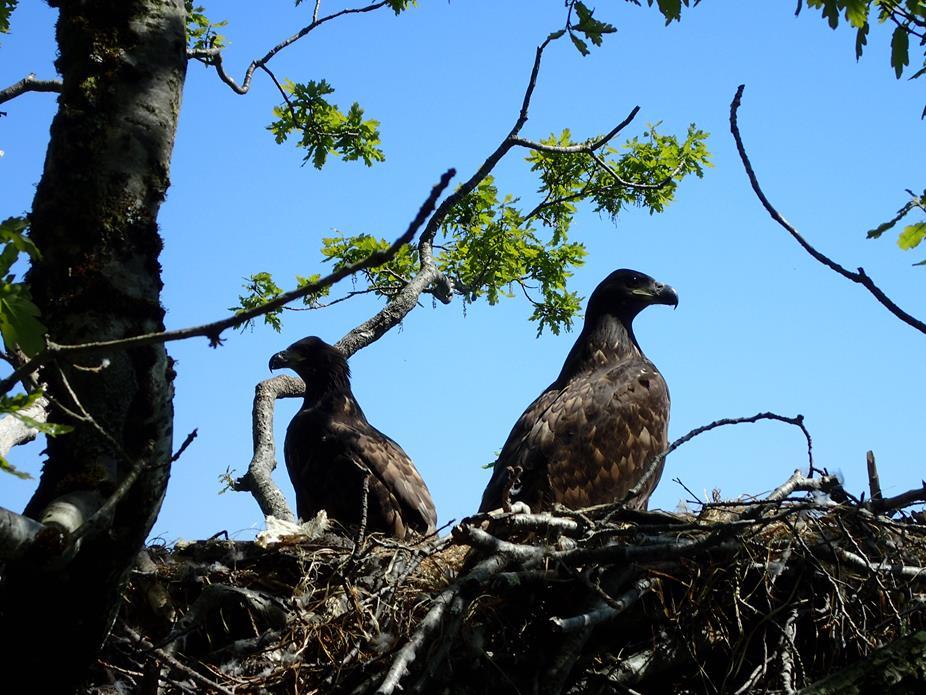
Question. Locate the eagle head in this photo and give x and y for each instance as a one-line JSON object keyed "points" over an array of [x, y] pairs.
{"points": [[625, 293], [312, 359]]}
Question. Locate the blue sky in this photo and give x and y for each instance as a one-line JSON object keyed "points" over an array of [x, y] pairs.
{"points": [[760, 325]]}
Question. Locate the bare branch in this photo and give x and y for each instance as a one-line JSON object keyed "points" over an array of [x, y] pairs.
{"points": [[605, 611], [905, 499], [637, 186], [13, 431], [859, 276], [213, 56], [797, 421], [874, 482], [258, 480], [587, 147], [17, 534], [30, 83], [186, 442]]}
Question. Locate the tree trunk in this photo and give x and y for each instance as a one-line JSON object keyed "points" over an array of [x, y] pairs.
{"points": [[94, 219]]}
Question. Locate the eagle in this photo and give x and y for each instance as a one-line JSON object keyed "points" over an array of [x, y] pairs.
{"points": [[589, 437], [331, 448]]}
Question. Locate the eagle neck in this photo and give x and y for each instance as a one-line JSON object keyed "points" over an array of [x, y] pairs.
{"points": [[333, 385], [603, 340]]}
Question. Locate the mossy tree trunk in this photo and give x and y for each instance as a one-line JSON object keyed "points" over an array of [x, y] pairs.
{"points": [[94, 219]]}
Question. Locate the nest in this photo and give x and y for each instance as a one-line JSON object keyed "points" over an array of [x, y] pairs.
{"points": [[809, 588]]}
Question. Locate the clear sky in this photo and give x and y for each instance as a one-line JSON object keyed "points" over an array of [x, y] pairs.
{"points": [[760, 325]]}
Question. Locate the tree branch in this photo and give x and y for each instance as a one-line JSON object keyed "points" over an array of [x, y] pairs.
{"points": [[587, 147], [214, 330], [859, 277], [13, 431], [213, 56], [797, 421], [637, 186], [30, 83]]}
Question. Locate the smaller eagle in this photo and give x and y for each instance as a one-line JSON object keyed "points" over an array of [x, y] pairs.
{"points": [[330, 448], [589, 437]]}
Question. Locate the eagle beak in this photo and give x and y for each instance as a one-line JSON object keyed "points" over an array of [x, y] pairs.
{"points": [[665, 294], [279, 360]]}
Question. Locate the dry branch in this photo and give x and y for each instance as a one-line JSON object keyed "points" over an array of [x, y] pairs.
{"points": [[860, 276], [30, 83]]}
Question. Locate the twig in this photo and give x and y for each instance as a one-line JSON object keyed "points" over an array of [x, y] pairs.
{"points": [[606, 610], [884, 567], [434, 618], [213, 56], [587, 147], [176, 664], [904, 499], [797, 421], [637, 186], [859, 276], [30, 83], [874, 482], [186, 442]]}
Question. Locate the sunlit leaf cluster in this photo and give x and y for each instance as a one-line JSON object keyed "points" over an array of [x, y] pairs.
{"points": [[322, 128], [493, 246], [19, 316], [200, 30], [645, 172], [491, 250], [387, 279]]}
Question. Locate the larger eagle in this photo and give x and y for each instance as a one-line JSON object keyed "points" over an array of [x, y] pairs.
{"points": [[331, 448], [589, 437]]}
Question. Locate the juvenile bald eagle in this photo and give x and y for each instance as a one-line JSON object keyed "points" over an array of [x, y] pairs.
{"points": [[330, 448], [589, 437]]}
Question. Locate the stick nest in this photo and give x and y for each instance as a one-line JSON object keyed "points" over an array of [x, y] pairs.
{"points": [[768, 595]]}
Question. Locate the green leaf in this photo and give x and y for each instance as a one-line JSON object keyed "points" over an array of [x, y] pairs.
{"points": [[591, 27], [6, 9], [857, 13], [861, 40], [579, 44], [900, 45], [13, 232], [399, 6], [19, 324], [911, 236], [556, 35], [671, 9]]}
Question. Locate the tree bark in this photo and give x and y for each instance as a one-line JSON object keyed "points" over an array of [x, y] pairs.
{"points": [[94, 219]]}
